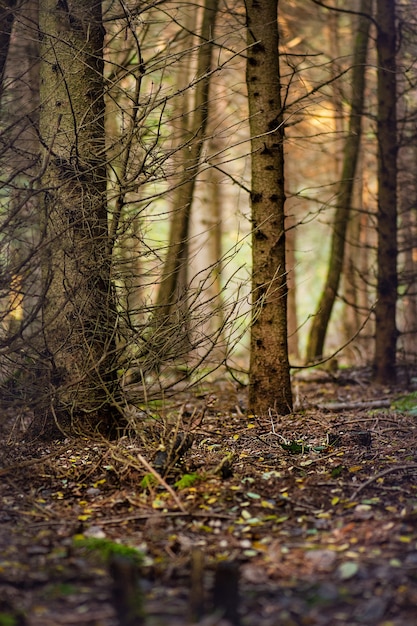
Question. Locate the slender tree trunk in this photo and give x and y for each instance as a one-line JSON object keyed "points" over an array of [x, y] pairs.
{"points": [[270, 384], [7, 16], [206, 258], [78, 312], [385, 309], [168, 299], [408, 311], [344, 196], [176, 320], [291, 242], [355, 279], [19, 113]]}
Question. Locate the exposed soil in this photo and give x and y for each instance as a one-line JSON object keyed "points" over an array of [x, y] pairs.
{"points": [[308, 519]]}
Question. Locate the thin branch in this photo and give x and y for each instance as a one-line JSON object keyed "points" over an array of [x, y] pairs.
{"points": [[349, 11], [400, 468]]}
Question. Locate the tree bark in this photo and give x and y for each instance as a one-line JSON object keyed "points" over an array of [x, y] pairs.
{"points": [[387, 282], [270, 384], [321, 319], [78, 311]]}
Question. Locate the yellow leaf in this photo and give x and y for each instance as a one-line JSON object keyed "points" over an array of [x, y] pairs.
{"points": [[206, 529], [267, 505], [251, 425], [335, 500], [355, 468], [84, 517]]}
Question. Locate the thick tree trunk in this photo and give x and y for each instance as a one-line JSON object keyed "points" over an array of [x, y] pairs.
{"points": [[344, 196], [78, 312], [385, 309], [270, 385]]}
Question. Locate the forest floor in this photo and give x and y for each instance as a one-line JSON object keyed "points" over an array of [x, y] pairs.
{"points": [[309, 519]]}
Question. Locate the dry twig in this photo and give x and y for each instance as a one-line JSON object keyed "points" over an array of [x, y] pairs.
{"points": [[400, 468]]}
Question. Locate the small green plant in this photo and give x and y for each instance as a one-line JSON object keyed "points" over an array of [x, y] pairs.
{"points": [[148, 481], [7, 620], [294, 447], [187, 480], [337, 471], [58, 590], [106, 549], [407, 403]]}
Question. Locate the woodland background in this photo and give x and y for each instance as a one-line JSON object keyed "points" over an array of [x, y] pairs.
{"points": [[139, 245]]}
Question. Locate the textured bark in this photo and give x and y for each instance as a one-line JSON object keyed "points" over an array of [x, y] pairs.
{"points": [[78, 312], [385, 314], [270, 385], [345, 192]]}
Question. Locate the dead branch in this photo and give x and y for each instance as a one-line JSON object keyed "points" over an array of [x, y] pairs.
{"points": [[354, 406], [402, 468]]}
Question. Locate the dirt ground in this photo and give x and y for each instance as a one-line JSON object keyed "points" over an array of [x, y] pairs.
{"points": [[308, 519]]}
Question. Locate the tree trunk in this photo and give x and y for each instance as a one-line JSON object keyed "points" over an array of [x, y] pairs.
{"points": [[344, 196], [385, 309], [206, 262], [19, 156], [78, 312], [7, 16], [270, 384], [356, 279], [167, 329], [291, 242]]}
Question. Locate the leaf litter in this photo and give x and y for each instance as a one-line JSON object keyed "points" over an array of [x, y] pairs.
{"points": [[304, 519]]}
